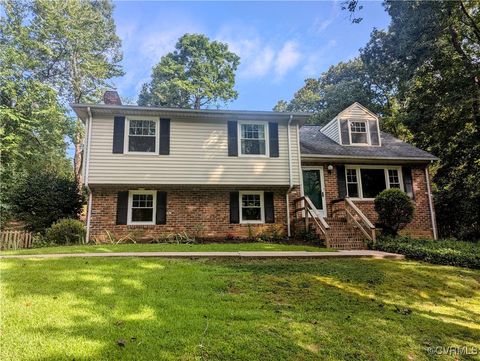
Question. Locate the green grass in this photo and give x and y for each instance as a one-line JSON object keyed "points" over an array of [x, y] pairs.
{"points": [[208, 247], [170, 309]]}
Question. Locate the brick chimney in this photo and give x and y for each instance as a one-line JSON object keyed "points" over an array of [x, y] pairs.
{"points": [[111, 97]]}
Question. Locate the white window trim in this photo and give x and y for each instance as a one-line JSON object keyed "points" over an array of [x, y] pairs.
{"points": [[367, 129], [262, 207], [127, 133], [130, 203], [239, 136], [385, 172]]}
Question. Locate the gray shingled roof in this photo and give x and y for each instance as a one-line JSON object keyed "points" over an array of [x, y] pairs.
{"points": [[314, 142]]}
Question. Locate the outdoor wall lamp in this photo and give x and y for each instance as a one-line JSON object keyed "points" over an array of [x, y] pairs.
{"points": [[330, 168]]}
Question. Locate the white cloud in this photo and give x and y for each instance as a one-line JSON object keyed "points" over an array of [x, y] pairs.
{"points": [[259, 57], [287, 58]]}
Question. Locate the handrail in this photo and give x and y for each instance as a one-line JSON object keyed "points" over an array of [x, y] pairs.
{"points": [[366, 222], [311, 210], [360, 213]]}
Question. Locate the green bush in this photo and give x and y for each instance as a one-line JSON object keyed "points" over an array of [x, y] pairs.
{"points": [[42, 199], [395, 210], [446, 252], [66, 231]]}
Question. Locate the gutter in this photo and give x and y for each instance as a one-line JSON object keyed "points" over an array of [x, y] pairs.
{"points": [[430, 204], [290, 176], [87, 168]]}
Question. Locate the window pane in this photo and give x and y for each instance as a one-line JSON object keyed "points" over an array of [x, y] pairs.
{"points": [[352, 189], [251, 214], [351, 176], [373, 182], [250, 146], [142, 201], [142, 127], [393, 178], [253, 131], [359, 127], [141, 144], [359, 138], [251, 200], [142, 214]]}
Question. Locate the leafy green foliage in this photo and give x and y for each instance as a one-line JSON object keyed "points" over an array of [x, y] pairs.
{"points": [[42, 199], [446, 252], [66, 231], [198, 73], [395, 210], [337, 88]]}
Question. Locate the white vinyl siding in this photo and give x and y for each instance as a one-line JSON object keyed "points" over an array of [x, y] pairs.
{"points": [[198, 155], [331, 130]]}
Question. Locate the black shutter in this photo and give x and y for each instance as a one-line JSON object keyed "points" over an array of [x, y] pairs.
{"points": [[344, 132], [122, 207], [232, 139], [164, 146], [341, 182], [269, 208], [374, 136], [161, 216], [234, 208], [273, 134], [408, 181], [118, 134]]}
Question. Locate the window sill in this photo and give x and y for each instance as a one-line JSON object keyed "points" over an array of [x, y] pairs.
{"points": [[141, 153], [252, 222]]}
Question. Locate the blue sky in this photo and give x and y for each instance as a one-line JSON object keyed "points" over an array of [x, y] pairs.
{"points": [[279, 43]]}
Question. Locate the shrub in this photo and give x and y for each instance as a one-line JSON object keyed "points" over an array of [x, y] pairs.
{"points": [[42, 199], [66, 231], [395, 210], [446, 252]]}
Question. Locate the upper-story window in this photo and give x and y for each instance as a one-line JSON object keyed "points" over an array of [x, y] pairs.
{"points": [[142, 136], [253, 138], [358, 133]]}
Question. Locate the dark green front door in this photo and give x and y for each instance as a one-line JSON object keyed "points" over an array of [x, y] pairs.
{"points": [[313, 188]]}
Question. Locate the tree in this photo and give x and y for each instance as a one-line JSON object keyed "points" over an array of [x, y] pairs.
{"points": [[42, 199], [198, 73], [428, 59], [337, 88], [33, 126], [77, 51]]}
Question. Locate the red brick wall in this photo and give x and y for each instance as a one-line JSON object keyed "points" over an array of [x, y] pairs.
{"points": [[203, 211], [421, 226]]}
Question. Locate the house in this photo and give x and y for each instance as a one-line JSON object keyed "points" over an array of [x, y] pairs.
{"points": [[223, 174]]}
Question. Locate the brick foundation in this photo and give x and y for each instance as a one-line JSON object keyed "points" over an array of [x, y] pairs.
{"points": [[201, 211], [421, 226]]}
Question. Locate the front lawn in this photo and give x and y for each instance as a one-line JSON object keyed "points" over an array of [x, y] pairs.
{"points": [[164, 247], [171, 309]]}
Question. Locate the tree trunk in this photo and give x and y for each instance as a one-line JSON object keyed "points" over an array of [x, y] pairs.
{"points": [[78, 156]]}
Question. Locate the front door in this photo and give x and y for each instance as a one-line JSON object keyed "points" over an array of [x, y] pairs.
{"points": [[313, 188]]}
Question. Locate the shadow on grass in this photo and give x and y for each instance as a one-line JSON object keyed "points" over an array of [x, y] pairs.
{"points": [[212, 309]]}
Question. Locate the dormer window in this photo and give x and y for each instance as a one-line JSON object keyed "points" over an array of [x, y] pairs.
{"points": [[358, 133]]}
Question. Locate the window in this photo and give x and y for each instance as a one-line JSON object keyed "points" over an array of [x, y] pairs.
{"points": [[253, 138], [393, 178], [251, 207], [142, 205], [142, 136], [369, 181], [352, 183], [373, 182], [358, 132]]}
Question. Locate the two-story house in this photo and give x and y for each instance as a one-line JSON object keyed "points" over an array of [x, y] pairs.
{"points": [[222, 173]]}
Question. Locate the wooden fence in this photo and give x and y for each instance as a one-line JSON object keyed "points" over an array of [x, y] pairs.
{"points": [[15, 240]]}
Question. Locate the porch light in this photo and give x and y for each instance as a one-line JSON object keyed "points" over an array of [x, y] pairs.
{"points": [[330, 168]]}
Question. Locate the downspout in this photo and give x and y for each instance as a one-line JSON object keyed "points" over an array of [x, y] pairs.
{"points": [[87, 167], [290, 176], [430, 204]]}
